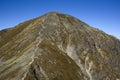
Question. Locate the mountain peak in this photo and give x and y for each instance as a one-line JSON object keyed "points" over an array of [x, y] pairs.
{"points": [[57, 46], [54, 13]]}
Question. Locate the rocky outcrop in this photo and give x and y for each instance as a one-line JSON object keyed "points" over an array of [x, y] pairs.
{"points": [[58, 47]]}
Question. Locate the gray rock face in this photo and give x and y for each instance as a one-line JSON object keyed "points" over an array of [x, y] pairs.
{"points": [[58, 47]]}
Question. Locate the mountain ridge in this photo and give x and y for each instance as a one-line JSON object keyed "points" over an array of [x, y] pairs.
{"points": [[57, 46]]}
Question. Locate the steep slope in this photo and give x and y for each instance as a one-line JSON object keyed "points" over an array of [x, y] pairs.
{"points": [[58, 47]]}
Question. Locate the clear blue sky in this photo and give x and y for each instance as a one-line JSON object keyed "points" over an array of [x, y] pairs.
{"points": [[102, 14]]}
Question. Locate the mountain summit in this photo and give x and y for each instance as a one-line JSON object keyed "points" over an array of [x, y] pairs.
{"points": [[57, 46]]}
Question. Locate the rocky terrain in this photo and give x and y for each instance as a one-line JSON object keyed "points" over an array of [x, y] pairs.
{"points": [[57, 46]]}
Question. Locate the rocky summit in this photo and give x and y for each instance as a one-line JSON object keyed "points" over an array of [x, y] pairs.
{"points": [[57, 46]]}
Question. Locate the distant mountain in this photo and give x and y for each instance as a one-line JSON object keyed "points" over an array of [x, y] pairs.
{"points": [[57, 46]]}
